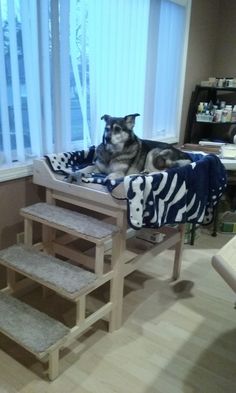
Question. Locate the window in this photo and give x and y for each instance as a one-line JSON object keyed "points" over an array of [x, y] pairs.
{"points": [[20, 113], [65, 63]]}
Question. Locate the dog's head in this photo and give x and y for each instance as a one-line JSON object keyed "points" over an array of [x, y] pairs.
{"points": [[118, 130]]}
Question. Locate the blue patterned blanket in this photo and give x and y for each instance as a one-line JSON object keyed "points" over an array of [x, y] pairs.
{"points": [[178, 195]]}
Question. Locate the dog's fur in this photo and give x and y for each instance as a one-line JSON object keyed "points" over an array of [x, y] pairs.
{"points": [[122, 153]]}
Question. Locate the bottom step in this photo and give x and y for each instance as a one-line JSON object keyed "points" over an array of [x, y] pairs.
{"points": [[32, 329]]}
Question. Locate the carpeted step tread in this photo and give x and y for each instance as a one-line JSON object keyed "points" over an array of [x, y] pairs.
{"points": [[70, 220], [58, 275], [32, 329]]}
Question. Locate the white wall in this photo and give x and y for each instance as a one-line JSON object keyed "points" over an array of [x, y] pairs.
{"points": [[225, 56], [202, 48]]}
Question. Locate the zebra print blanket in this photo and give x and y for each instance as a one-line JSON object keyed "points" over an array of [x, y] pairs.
{"points": [[186, 194], [178, 195]]}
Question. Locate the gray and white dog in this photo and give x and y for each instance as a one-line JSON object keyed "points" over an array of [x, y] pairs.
{"points": [[122, 153]]}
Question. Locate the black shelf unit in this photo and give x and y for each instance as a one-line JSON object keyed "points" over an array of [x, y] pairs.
{"points": [[200, 130]]}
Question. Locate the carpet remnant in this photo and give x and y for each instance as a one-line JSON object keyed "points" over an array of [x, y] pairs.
{"points": [[47, 268], [69, 219], [29, 327]]}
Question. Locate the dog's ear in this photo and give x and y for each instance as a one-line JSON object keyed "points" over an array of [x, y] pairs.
{"points": [[105, 117], [130, 120]]}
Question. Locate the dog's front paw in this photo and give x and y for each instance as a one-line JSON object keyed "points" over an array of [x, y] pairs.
{"points": [[114, 175], [75, 177]]}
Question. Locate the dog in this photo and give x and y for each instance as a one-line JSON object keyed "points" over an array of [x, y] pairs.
{"points": [[123, 153]]}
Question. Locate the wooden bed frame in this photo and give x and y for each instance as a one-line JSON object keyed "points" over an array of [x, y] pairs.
{"points": [[132, 252]]}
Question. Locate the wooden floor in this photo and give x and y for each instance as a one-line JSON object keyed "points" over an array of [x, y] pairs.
{"points": [[176, 338]]}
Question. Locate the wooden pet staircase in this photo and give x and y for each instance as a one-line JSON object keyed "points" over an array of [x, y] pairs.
{"points": [[76, 254], [38, 333]]}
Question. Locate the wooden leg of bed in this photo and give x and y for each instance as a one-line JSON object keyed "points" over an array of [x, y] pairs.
{"points": [[80, 310], [99, 259], [117, 283], [11, 279], [28, 232], [53, 364], [178, 253], [48, 235]]}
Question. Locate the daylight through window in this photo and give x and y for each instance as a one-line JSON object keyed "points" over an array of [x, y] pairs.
{"points": [[65, 63]]}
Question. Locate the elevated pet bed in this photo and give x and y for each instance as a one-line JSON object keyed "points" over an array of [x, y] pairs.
{"points": [[149, 203], [187, 194]]}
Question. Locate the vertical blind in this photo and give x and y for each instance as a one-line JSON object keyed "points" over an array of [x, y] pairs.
{"points": [[65, 63], [117, 36], [170, 46]]}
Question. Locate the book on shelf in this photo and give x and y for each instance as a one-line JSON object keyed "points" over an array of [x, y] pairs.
{"points": [[214, 149]]}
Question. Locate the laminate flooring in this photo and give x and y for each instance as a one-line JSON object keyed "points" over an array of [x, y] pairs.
{"points": [[176, 337]]}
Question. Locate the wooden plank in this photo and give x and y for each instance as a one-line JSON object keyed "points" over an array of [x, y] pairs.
{"points": [[117, 283], [74, 255], [53, 364], [178, 253], [43, 176], [99, 259], [77, 330], [103, 208]]}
